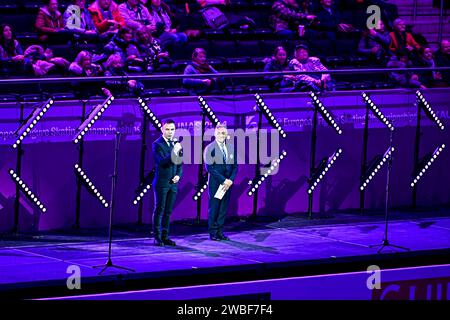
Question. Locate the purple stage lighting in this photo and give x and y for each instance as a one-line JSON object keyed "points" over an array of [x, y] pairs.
{"points": [[322, 170], [428, 110], [208, 111], [257, 184], [377, 111], [326, 115], [89, 185], [26, 190], [149, 113], [375, 167]]}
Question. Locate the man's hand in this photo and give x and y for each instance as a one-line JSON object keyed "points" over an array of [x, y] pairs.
{"points": [[176, 179], [177, 148], [228, 183], [19, 57]]}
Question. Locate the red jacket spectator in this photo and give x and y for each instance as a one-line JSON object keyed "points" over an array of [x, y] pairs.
{"points": [[103, 23], [49, 20]]}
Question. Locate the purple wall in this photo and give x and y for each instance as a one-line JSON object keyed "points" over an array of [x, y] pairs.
{"points": [[50, 155]]}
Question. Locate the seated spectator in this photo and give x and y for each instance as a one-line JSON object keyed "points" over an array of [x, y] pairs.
{"points": [[329, 23], [200, 65], [403, 42], [303, 62], [78, 19], [286, 16], [375, 43], [84, 67], [42, 61], [430, 79], [151, 52], [136, 15], [11, 53], [115, 66], [279, 63], [442, 59], [124, 45], [402, 78], [106, 16], [50, 24], [169, 36]]}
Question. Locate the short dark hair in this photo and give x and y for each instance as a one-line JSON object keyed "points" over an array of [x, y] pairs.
{"points": [[301, 46], [168, 121]]}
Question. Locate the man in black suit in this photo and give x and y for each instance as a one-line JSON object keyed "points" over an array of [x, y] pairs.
{"points": [[168, 171], [221, 164]]}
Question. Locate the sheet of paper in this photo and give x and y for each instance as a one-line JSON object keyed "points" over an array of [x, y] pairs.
{"points": [[220, 192]]}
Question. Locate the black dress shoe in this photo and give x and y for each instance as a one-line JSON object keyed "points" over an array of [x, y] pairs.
{"points": [[158, 242], [223, 237], [214, 237], [169, 242]]}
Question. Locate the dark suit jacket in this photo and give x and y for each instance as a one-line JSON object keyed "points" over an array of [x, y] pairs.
{"points": [[165, 168], [218, 171]]}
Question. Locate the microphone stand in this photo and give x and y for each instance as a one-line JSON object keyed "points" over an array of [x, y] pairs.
{"points": [[109, 263]]}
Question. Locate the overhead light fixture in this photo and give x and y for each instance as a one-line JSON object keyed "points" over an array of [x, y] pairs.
{"points": [[428, 110], [90, 185], [31, 121], [27, 191], [149, 113], [255, 185], [322, 170], [326, 115], [269, 115], [144, 187], [208, 111], [92, 117], [375, 166], [377, 112], [426, 163]]}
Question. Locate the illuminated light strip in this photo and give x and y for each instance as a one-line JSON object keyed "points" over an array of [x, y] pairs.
{"points": [[325, 114], [204, 105], [35, 120], [26, 190], [377, 111], [432, 114], [94, 119], [200, 192], [90, 185], [435, 154], [270, 117], [275, 164], [330, 162], [142, 194], [149, 113], [385, 159]]}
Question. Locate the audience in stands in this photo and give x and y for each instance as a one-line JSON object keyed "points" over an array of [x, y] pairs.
{"points": [[286, 17], [430, 79], [442, 59], [402, 78], [303, 62], [124, 45], [329, 23], [11, 53], [42, 62], [200, 65], [50, 24], [106, 16], [375, 44], [78, 19], [278, 63], [403, 42], [150, 50], [114, 66], [161, 19], [136, 15]]}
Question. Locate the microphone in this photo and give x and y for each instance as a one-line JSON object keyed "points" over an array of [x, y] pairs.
{"points": [[175, 141]]}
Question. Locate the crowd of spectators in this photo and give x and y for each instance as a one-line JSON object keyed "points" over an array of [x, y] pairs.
{"points": [[117, 39]]}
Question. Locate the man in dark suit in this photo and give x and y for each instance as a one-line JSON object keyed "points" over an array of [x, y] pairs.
{"points": [[221, 164], [168, 171]]}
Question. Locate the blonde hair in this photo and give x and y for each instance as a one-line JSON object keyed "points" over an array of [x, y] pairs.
{"points": [[112, 59]]}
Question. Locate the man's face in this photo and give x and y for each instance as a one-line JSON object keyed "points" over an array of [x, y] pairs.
{"points": [[52, 5], [301, 54], [428, 54], [221, 135], [168, 130], [400, 26]]}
